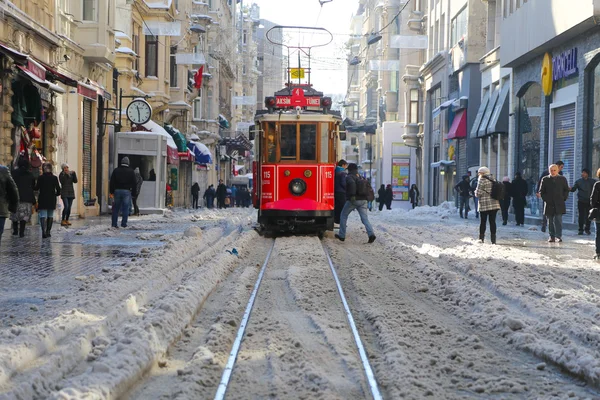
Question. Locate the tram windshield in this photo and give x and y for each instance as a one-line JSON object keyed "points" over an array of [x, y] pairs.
{"points": [[296, 142]]}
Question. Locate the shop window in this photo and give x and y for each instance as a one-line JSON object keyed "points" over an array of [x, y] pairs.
{"points": [[151, 55], [593, 134], [173, 67], [89, 10], [529, 118], [458, 27]]}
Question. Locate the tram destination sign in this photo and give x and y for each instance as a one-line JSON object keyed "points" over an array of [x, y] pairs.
{"points": [[297, 99]]}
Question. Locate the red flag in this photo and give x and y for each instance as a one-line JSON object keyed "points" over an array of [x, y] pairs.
{"points": [[198, 77]]}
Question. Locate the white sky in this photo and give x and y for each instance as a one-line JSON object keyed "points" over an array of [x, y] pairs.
{"points": [[328, 63]]}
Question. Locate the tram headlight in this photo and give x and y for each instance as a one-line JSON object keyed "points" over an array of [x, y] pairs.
{"points": [[297, 187]]}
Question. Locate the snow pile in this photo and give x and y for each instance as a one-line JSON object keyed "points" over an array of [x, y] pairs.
{"points": [[443, 211]]}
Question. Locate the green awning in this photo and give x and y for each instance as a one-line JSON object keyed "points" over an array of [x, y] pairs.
{"points": [[178, 137]]}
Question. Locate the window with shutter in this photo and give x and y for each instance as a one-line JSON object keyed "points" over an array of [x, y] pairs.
{"points": [[563, 148], [86, 181]]}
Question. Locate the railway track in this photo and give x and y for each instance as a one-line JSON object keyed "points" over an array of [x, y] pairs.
{"points": [[279, 327], [229, 368]]}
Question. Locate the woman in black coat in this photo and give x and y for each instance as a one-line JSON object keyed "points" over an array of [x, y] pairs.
{"points": [[25, 183], [389, 196], [49, 189], [381, 196], [413, 194]]}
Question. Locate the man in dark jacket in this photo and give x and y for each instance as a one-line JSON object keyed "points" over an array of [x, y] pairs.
{"points": [[354, 201], [560, 165], [9, 196], [464, 194], [584, 187], [123, 186], [340, 189], [221, 194], [209, 196], [519, 195], [195, 195], [505, 202], [554, 190]]}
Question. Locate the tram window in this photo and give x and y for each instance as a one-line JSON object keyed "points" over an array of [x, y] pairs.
{"points": [[271, 142], [288, 142], [308, 142], [324, 142]]}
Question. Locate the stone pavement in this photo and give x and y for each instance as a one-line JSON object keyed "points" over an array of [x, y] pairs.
{"points": [[34, 272]]}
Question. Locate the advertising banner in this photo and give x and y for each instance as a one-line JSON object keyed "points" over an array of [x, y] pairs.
{"points": [[400, 178]]}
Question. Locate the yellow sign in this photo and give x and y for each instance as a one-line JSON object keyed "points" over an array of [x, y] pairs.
{"points": [[547, 74], [297, 73]]}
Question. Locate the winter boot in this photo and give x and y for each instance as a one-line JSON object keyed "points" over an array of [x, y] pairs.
{"points": [[493, 238], [481, 238], [461, 214], [43, 225], [22, 228], [15, 228], [64, 223], [49, 227]]}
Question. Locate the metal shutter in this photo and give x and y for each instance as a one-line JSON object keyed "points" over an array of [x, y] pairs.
{"points": [[461, 161], [564, 148], [86, 181]]}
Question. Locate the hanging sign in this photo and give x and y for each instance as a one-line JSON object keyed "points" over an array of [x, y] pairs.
{"points": [[297, 73]]}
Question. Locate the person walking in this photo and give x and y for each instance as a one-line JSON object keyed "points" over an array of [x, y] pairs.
{"points": [[195, 195], [414, 195], [233, 195], [354, 201], [138, 189], [339, 193], [464, 194], [25, 183], [474, 182], [487, 206], [221, 194], [209, 196], [560, 165], [505, 202], [67, 179], [554, 190], [48, 187], [584, 187], [123, 187], [520, 189], [595, 203], [9, 197], [381, 196], [389, 196]]}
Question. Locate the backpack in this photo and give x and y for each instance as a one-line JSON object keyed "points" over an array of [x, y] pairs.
{"points": [[364, 189], [498, 190]]}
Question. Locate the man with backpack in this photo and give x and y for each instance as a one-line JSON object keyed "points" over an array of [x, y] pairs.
{"points": [[357, 197], [488, 202]]}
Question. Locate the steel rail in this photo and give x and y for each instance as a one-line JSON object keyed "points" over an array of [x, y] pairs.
{"points": [[220, 395], [361, 350]]}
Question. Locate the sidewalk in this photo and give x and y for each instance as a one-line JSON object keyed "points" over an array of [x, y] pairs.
{"points": [[37, 273]]}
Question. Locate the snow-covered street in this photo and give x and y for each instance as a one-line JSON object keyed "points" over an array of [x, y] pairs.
{"points": [[440, 315]]}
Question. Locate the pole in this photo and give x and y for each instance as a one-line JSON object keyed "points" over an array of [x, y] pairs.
{"points": [[370, 159]]}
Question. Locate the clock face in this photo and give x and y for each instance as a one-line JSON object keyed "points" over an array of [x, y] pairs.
{"points": [[139, 112]]}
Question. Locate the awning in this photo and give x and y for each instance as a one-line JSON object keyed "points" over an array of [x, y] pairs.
{"points": [[499, 121], [178, 137], [201, 152], [87, 91], [488, 115], [172, 153], [223, 122], [14, 54], [443, 106], [197, 28], [41, 82], [484, 104], [186, 156], [443, 163], [53, 75], [458, 129]]}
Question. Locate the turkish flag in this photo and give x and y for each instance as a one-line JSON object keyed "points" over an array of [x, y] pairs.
{"points": [[198, 77]]}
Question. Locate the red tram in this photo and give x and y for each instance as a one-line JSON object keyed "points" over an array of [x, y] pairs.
{"points": [[295, 158]]}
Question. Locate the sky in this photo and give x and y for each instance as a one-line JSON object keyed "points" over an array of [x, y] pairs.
{"points": [[328, 63]]}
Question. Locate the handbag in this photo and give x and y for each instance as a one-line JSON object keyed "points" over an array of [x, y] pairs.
{"points": [[594, 214]]}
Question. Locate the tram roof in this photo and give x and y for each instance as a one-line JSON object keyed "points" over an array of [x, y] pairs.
{"points": [[292, 116]]}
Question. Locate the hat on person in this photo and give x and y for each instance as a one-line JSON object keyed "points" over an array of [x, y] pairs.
{"points": [[483, 170], [506, 179], [64, 165], [125, 161], [352, 167]]}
